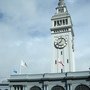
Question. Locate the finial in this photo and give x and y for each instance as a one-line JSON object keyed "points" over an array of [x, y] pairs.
{"points": [[61, 3]]}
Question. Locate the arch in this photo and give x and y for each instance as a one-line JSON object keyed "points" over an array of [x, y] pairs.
{"points": [[82, 87], [35, 88], [57, 88]]}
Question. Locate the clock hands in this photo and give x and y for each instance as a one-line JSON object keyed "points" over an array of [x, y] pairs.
{"points": [[60, 43]]}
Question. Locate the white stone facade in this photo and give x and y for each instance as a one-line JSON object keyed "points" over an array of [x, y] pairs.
{"points": [[50, 81], [63, 57]]}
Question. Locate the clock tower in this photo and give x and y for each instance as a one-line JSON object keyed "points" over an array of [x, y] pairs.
{"points": [[62, 40]]}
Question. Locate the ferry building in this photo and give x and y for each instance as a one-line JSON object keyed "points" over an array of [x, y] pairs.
{"points": [[63, 75]]}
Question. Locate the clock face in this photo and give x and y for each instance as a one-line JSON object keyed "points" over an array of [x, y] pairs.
{"points": [[60, 43]]}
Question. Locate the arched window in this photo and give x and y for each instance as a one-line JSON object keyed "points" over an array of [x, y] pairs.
{"points": [[82, 87], [57, 88], [35, 88]]}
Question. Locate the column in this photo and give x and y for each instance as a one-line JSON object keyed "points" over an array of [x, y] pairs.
{"points": [[16, 87], [11, 88], [24, 87], [19, 88], [69, 87], [45, 87]]}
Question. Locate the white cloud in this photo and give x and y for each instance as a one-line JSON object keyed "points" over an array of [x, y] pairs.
{"points": [[24, 34], [71, 1]]}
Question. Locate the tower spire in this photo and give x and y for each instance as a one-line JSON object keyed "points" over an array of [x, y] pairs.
{"points": [[61, 8], [61, 3]]}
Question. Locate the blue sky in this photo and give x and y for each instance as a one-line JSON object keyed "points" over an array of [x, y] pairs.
{"points": [[25, 34]]}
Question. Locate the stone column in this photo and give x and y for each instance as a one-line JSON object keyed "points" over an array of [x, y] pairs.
{"points": [[25, 87], [45, 87], [69, 87], [11, 88], [16, 88], [19, 88]]}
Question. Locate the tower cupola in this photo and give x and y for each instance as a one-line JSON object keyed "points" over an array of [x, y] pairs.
{"points": [[61, 3], [61, 8]]}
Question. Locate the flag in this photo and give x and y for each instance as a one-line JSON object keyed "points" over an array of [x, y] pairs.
{"points": [[56, 62], [24, 64], [61, 63], [14, 71]]}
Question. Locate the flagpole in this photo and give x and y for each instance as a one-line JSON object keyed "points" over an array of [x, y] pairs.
{"points": [[22, 65], [20, 68]]}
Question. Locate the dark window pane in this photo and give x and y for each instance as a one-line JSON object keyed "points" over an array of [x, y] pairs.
{"points": [[54, 23], [35, 88], [63, 22], [66, 21], [57, 88], [82, 87], [67, 61], [61, 53]]}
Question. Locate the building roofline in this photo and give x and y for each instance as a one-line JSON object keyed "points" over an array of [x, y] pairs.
{"points": [[50, 76]]}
